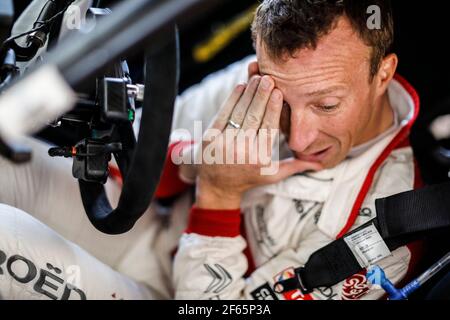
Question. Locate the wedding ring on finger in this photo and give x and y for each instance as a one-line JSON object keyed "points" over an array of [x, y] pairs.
{"points": [[234, 124]]}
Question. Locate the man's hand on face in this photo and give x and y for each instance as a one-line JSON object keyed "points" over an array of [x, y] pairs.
{"points": [[188, 172], [244, 126]]}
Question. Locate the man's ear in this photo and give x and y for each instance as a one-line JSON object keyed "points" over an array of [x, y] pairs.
{"points": [[386, 72]]}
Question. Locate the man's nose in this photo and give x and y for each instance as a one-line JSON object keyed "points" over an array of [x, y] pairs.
{"points": [[303, 131]]}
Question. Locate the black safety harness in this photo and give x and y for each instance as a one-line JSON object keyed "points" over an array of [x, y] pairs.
{"points": [[401, 219]]}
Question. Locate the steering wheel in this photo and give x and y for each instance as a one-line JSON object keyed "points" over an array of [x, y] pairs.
{"points": [[141, 160], [142, 165]]}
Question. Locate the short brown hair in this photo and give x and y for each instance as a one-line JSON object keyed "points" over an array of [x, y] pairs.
{"points": [[286, 26]]}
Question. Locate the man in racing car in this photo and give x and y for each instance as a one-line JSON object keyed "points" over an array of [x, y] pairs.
{"points": [[327, 80], [326, 77]]}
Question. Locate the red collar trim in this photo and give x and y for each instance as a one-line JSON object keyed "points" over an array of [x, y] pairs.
{"points": [[398, 141]]}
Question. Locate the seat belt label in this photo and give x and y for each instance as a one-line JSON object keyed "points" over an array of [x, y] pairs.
{"points": [[367, 246]]}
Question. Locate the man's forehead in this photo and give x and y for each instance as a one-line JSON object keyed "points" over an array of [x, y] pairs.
{"points": [[341, 51], [309, 80]]}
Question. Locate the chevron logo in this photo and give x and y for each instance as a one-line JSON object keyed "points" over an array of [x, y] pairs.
{"points": [[221, 278]]}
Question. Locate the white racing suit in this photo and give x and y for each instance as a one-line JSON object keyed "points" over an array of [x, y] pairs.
{"points": [[49, 249], [241, 254]]}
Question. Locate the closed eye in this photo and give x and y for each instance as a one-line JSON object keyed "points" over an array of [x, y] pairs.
{"points": [[328, 108]]}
